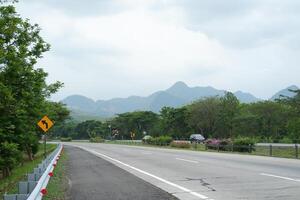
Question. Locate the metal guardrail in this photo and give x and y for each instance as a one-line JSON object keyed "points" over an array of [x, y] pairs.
{"points": [[35, 186]]}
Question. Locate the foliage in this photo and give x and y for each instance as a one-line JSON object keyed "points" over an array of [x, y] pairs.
{"points": [[173, 122], [66, 139], [202, 116], [97, 139], [213, 117], [87, 129], [146, 139], [10, 156], [217, 144], [24, 92], [138, 122], [244, 144], [293, 127], [229, 109], [181, 144], [161, 140]]}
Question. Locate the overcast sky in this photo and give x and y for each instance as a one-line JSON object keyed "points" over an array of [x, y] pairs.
{"points": [[117, 48]]}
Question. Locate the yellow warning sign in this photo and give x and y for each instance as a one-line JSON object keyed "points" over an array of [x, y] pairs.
{"points": [[45, 123]]}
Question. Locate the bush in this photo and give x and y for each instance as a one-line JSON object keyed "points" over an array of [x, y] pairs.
{"points": [[181, 144], [146, 139], [66, 139], [244, 144], [217, 144], [286, 140], [97, 139], [10, 156], [161, 140]]}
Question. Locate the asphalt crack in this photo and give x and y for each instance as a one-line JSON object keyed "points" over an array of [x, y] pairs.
{"points": [[202, 182]]}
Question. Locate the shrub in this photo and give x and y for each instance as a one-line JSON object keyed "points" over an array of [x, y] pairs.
{"points": [[244, 144], [10, 156], [181, 144], [97, 139], [146, 139], [161, 140], [66, 139], [286, 140], [223, 145]]}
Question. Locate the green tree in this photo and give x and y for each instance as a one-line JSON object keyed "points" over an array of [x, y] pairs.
{"points": [[173, 122], [23, 88], [202, 116], [86, 129], [272, 118], [229, 108], [137, 122], [293, 128], [10, 156]]}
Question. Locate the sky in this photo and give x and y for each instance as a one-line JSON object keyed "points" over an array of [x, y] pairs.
{"points": [[117, 48]]}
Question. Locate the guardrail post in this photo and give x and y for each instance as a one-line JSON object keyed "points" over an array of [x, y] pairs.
{"points": [[271, 150], [249, 148], [296, 151]]}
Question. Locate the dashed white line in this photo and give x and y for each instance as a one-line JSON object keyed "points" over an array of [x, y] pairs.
{"points": [[281, 177], [146, 152], [196, 194], [191, 161]]}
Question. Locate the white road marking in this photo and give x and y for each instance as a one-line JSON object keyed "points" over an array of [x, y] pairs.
{"points": [[192, 161], [196, 194], [282, 177], [146, 152]]}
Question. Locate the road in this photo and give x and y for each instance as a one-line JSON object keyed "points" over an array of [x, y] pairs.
{"points": [[95, 178], [203, 175]]}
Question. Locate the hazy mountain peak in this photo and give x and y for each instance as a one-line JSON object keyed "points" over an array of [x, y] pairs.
{"points": [[179, 85], [293, 87], [246, 97], [79, 102], [285, 92]]}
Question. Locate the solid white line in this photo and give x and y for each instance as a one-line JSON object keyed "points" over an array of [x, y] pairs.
{"points": [[282, 177], [147, 173], [192, 161]]}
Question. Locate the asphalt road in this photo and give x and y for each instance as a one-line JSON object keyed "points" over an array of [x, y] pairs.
{"points": [[93, 178], [197, 175]]}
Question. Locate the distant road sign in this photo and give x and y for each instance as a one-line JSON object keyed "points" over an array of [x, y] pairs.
{"points": [[45, 124]]}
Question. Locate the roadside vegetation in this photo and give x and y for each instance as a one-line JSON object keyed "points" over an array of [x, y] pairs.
{"points": [[221, 120], [24, 93], [9, 184]]}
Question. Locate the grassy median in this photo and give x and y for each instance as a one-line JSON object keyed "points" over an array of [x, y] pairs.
{"points": [[9, 184], [58, 184], [281, 152]]}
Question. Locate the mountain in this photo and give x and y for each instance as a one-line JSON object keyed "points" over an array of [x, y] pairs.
{"points": [[177, 95], [246, 97], [285, 92]]}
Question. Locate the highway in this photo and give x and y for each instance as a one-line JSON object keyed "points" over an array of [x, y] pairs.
{"points": [[201, 175]]}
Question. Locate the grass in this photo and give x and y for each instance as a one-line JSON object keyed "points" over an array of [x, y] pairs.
{"points": [[282, 152], [58, 184], [9, 184]]}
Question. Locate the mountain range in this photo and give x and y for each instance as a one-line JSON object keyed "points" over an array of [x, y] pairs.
{"points": [[177, 95]]}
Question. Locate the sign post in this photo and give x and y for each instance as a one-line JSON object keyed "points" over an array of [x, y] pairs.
{"points": [[45, 124]]}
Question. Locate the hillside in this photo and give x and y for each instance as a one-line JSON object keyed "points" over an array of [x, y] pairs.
{"points": [[177, 95]]}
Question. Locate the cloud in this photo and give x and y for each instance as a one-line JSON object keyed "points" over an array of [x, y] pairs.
{"points": [[126, 47]]}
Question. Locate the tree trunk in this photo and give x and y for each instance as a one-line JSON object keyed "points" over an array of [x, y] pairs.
{"points": [[5, 172], [29, 153]]}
